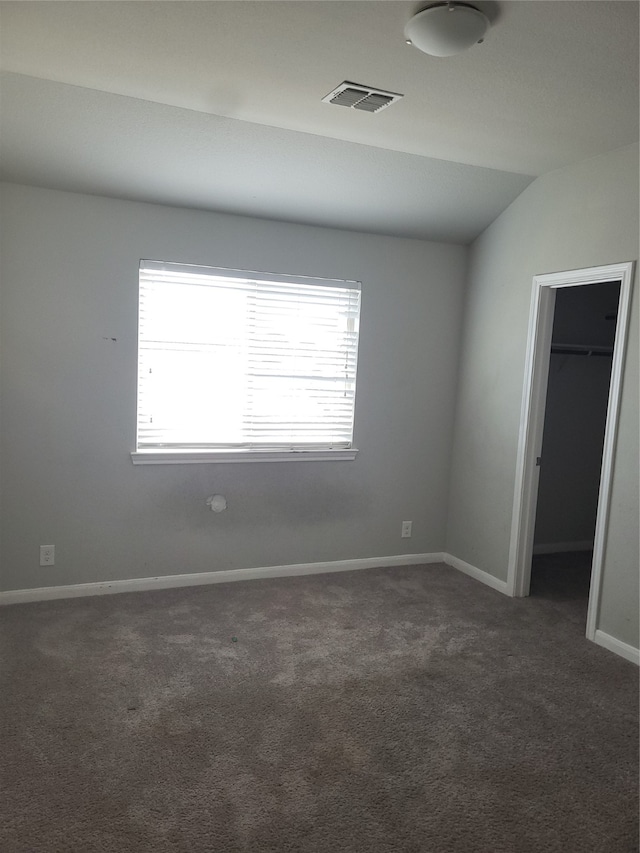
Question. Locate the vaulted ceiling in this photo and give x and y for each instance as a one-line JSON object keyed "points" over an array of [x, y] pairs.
{"points": [[218, 105]]}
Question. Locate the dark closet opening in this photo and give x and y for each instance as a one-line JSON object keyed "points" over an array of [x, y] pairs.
{"points": [[584, 329]]}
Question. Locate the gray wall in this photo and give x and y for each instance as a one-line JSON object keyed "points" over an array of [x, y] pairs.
{"points": [[69, 285], [584, 215]]}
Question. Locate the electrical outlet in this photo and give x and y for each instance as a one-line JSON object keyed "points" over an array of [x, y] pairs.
{"points": [[47, 555], [406, 530]]}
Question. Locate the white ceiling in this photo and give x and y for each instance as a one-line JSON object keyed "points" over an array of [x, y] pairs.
{"points": [[217, 105]]}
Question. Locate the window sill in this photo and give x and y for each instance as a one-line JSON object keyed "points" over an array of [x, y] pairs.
{"points": [[200, 457]]}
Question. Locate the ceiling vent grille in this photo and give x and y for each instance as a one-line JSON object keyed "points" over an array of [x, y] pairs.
{"points": [[358, 97]]}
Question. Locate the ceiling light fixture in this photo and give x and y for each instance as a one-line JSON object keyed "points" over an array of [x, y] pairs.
{"points": [[445, 29]]}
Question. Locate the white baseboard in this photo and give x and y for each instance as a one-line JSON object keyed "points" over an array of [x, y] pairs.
{"points": [[563, 547], [617, 647], [48, 593], [477, 574]]}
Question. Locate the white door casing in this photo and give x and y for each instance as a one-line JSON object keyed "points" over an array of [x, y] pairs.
{"points": [[532, 424]]}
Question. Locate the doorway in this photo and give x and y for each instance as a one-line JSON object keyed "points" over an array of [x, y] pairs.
{"points": [[613, 283], [584, 327]]}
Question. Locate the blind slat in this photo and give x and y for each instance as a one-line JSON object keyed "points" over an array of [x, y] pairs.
{"points": [[229, 359]]}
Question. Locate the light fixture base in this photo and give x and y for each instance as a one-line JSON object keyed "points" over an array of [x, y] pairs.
{"points": [[447, 28]]}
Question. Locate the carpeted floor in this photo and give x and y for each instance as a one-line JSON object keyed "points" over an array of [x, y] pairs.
{"points": [[405, 709], [564, 578]]}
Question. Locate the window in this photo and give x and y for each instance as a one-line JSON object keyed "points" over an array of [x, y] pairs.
{"points": [[235, 365]]}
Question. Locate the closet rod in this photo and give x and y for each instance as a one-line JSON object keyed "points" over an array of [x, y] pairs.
{"points": [[580, 349]]}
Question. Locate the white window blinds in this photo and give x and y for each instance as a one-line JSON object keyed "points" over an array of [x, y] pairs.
{"points": [[230, 359]]}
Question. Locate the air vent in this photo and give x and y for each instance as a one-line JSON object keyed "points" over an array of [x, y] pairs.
{"points": [[358, 97]]}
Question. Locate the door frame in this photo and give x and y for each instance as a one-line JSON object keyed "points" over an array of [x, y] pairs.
{"points": [[536, 374]]}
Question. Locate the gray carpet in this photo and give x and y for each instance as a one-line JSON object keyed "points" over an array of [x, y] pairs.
{"points": [[405, 709], [566, 578]]}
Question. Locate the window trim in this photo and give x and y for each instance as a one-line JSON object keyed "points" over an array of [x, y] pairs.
{"points": [[196, 457]]}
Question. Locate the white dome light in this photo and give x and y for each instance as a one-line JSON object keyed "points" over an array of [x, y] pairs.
{"points": [[446, 28]]}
